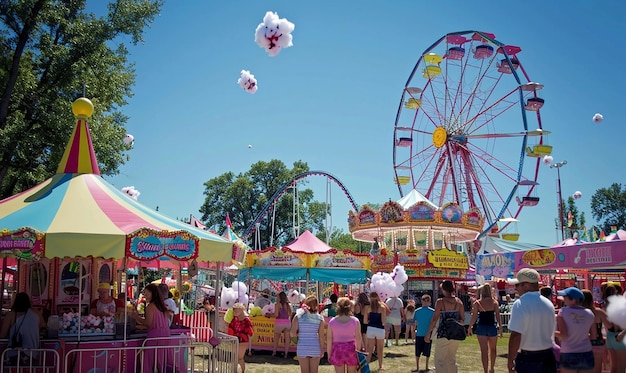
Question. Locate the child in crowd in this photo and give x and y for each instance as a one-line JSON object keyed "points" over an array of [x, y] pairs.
{"points": [[422, 316], [409, 313]]}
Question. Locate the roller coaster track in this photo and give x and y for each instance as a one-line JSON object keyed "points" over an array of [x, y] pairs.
{"points": [[279, 193]]}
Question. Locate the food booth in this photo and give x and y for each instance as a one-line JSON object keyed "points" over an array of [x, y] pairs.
{"points": [[580, 263], [306, 258], [74, 231]]}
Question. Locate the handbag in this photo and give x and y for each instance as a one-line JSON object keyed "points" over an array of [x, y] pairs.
{"points": [[452, 329]]}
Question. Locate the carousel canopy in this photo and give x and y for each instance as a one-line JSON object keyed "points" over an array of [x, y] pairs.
{"points": [[412, 198], [80, 214]]}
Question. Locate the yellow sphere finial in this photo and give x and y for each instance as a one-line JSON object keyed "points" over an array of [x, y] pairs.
{"points": [[82, 107]]}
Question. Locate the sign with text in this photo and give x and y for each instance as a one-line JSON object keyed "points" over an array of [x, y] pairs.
{"points": [[274, 257], [22, 242], [341, 259], [148, 244], [444, 258]]}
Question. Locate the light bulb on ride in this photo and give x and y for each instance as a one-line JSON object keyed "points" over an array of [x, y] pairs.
{"points": [[597, 118], [547, 159], [577, 194]]}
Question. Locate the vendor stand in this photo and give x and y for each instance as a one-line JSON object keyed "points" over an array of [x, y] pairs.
{"points": [[306, 258], [73, 227], [580, 264]]}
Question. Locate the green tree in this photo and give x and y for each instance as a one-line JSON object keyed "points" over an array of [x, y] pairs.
{"points": [[244, 196], [50, 52], [341, 241], [608, 205]]}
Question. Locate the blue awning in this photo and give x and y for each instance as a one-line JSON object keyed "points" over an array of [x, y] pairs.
{"points": [[276, 274], [339, 275]]}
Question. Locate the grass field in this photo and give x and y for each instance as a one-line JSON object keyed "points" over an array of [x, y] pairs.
{"points": [[397, 359]]}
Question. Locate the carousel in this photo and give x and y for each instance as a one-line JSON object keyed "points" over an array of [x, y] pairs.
{"points": [[414, 232]]}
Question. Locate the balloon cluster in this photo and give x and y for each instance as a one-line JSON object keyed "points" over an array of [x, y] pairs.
{"points": [[389, 284], [577, 194], [131, 192], [616, 311], [547, 159], [247, 82], [129, 140], [237, 293], [597, 118], [294, 297], [274, 33]]}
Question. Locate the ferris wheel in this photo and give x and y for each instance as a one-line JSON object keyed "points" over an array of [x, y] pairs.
{"points": [[468, 129]]}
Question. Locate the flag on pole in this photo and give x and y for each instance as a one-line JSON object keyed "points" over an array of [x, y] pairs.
{"points": [[228, 223], [196, 223], [570, 219]]}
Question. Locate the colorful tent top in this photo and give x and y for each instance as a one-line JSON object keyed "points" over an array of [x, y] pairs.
{"points": [[239, 247], [76, 213], [307, 243]]}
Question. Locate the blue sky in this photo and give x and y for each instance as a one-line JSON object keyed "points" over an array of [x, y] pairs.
{"points": [[331, 99]]}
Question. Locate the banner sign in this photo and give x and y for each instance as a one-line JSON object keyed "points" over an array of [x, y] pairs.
{"points": [[341, 259], [148, 244], [444, 258], [23, 243], [273, 257]]}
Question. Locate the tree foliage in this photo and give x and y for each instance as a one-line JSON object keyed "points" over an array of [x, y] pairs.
{"points": [[244, 196], [608, 205], [50, 52]]}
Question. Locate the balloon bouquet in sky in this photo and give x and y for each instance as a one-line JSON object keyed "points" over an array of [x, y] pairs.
{"points": [[273, 35], [597, 118]]}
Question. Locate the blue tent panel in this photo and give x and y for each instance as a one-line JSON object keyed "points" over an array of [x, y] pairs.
{"points": [[276, 274], [339, 275]]}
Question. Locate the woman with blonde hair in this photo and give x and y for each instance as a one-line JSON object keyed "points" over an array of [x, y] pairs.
{"points": [[282, 323], [307, 325], [375, 316], [343, 338], [487, 312]]}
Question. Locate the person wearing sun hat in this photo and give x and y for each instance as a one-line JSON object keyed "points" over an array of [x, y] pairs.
{"points": [[105, 305], [574, 324], [532, 326]]}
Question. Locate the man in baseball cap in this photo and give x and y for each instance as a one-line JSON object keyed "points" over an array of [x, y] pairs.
{"points": [[532, 327], [528, 275]]}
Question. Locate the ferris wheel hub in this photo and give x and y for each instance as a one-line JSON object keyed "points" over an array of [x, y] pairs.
{"points": [[439, 137]]}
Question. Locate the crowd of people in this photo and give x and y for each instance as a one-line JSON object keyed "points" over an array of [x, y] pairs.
{"points": [[543, 338]]}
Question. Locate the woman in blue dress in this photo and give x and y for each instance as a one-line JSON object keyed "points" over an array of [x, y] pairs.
{"points": [[307, 326]]}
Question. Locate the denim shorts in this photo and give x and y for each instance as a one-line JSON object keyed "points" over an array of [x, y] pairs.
{"points": [[577, 360], [486, 330]]}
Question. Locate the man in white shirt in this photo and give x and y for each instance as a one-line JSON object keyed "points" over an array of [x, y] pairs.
{"points": [[532, 327]]}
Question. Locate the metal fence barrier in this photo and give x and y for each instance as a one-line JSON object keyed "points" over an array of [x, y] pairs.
{"points": [[32, 360]]}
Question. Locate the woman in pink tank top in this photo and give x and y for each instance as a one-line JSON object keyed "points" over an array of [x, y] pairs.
{"points": [[343, 338], [282, 323]]}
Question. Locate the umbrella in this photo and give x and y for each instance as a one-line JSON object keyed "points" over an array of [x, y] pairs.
{"points": [[76, 213]]}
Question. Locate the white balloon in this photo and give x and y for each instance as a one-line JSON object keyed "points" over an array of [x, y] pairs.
{"points": [[577, 194], [597, 117], [129, 139], [249, 146], [547, 159]]}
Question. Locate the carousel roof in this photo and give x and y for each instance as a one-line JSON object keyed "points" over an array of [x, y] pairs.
{"points": [[412, 198], [80, 214]]}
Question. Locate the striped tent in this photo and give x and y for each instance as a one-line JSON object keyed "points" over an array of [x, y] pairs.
{"points": [[76, 213]]}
